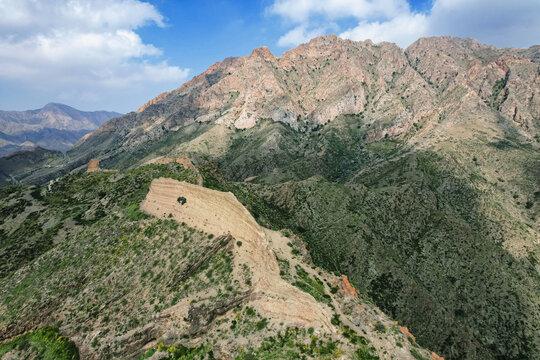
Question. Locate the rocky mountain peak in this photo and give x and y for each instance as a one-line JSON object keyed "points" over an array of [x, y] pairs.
{"points": [[446, 42], [314, 83], [263, 52], [52, 106], [55, 126]]}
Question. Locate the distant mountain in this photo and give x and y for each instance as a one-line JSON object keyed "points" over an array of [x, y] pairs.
{"points": [[23, 161], [55, 127]]}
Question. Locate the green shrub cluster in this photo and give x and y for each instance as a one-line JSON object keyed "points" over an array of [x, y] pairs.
{"points": [[313, 286], [46, 343]]}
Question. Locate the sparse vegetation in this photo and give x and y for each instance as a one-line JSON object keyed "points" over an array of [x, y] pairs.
{"points": [[312, 285], [493, 100], [46, 343]]}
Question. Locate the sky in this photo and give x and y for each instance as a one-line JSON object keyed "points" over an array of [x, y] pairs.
{"points": [[117, 54]]}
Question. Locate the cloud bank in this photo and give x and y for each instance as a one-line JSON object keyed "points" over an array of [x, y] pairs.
{"points": [[83, 51], [497, 22]]}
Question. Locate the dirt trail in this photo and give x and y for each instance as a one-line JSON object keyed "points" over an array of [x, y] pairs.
{"points": [[218, 213]]}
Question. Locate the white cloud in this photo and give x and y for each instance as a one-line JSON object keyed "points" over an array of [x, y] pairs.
{"points": [[498, 22], [82, 15], [402, 29], [302, 10], [299, 35], [86, 48]]}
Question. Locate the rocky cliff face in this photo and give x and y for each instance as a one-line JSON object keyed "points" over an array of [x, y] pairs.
{"points": [[468, 74], [314, 83]]}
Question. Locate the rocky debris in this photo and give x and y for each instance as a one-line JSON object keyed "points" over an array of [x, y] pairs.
{"points": [[405, 331], [299, 246], [250, 178], [200, 317], [221, 242], [93, 165], [434, 356], [182, 160], [162, 161], [132, 341], [45, 316], [185, 162]]}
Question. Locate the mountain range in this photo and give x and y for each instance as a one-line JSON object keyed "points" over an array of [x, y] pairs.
{"points": [[54, 127], [414, 173]]}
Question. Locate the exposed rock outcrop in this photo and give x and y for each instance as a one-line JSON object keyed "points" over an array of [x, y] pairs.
{"points": [[93, 166], [217, 213], [394, 91]]}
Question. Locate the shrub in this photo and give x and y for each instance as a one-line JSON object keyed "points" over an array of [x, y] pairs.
{"points": [[134, 214], [45, 343], [364, 354], [262, 324], [417, 355]]}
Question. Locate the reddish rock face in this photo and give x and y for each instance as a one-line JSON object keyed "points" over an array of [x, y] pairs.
{"points": [[395, 90], [346, 288], [185, 162], [482, 80], [405, 331], [93, 165], [434, 356], [153, 101]]}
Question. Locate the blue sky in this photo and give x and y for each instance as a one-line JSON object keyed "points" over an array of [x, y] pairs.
{"points": [[199, 33], [117, 54]]}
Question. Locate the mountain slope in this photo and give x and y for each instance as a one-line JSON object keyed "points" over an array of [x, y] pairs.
{"points": [[54, 127], [23, 162], [431, 249], [316, 82], [188, 280], [415, 172]]}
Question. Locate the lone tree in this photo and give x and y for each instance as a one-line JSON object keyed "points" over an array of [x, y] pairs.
{"points": [[181, 200]]}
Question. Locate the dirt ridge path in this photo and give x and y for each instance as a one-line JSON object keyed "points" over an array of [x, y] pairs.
{"points": [[219, 213]]}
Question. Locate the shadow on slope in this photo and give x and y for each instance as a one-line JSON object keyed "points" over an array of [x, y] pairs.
{"points": [[427, 241]]}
